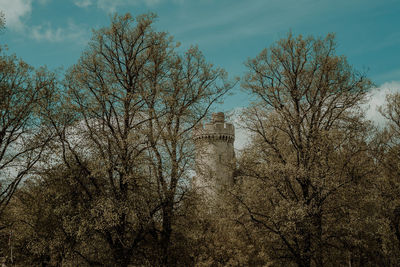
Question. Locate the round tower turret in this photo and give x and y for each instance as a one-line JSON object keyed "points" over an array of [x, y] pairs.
{"points": [[215, 155]]}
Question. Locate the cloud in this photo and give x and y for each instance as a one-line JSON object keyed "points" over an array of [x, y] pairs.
{"points": [[15, 12], [377, 98], [18, 11], [242, 135], [239, 20], [220, 23], [110, 6], [83, 3], [46, 32]]}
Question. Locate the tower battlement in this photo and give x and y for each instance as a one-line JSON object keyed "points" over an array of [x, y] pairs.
{"points": [[217, 129]]}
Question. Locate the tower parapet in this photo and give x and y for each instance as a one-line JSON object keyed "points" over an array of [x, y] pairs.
{"points": [[217, 129], [215, 155]]}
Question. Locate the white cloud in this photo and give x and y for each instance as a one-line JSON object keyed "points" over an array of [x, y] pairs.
{"points": [[83, 3], [15, 12], [377, 98], [242, 135], [110, 6], [46, 32]]}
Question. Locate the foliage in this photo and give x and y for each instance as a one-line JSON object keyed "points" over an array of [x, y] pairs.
{"points": [[121, 128], [309, 150], [22, 136]]}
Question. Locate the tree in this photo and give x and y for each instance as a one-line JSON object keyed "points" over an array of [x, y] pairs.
{"points": [[309, 145], [122, 125], [22, 136], [386, 152], [39, 211], [184, 91]]}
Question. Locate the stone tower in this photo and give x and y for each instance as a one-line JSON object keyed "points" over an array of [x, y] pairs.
{"points": [[215, 155]]}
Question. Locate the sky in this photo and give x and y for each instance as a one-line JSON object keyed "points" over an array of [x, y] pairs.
{"points": [[228, 32]]}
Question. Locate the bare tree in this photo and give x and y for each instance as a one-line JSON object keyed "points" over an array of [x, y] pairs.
{"points": [[182, 92], [307, 137], [387, 153], [124, 122], [22, 137]]}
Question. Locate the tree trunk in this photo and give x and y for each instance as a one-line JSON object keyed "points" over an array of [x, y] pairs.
{"points": [[166, 233]]}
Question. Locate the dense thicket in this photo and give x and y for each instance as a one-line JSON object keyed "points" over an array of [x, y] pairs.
{"points": [[95, 167]]}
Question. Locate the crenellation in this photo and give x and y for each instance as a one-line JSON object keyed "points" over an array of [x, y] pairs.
{"points": [[214, 130]]}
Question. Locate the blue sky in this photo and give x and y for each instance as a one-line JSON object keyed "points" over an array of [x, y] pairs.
{"points": [[55, 32]]}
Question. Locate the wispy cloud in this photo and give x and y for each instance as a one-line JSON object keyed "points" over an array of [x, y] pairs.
{"points": [[377, 98], [83, 3], [111, 6], [15, 12], [46, 32], [229, 21], [242, 135], [239, 20]]}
